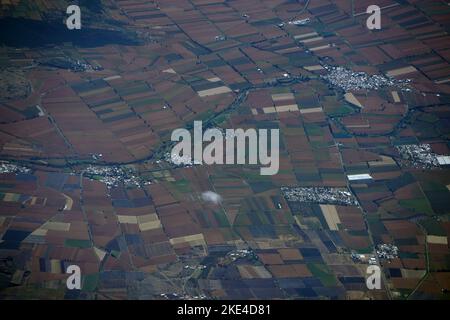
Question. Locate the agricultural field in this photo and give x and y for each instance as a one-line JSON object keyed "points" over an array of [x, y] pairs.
{"points": [[86, 178]]}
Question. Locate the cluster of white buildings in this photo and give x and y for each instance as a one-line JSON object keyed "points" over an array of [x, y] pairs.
{"points": [[422, 156], [176, 296], [350, 80], [6, 167], [113, 176], [362, 258], [297, 22], [240, 253], [387, 251], [199, 267], [324, 195]]}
